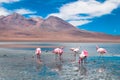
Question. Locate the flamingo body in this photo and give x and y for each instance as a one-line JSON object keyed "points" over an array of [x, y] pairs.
{"points": [[38, 54], [38, 51], [101, 50], [83, 55], [58, 51], [76, 50]]}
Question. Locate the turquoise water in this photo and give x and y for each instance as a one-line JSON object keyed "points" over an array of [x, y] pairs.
{"points": [[19, 64]]}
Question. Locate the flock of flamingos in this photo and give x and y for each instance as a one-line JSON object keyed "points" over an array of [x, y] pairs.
{"points": [[82, 56]]}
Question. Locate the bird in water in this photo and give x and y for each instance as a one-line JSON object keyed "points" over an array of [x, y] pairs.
{"points": [[58, 52], [38, 54], [83, 56], [75, 50], [101, 50]]}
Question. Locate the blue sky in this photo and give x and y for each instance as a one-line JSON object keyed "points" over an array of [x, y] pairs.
{"points": [[92, 15]]}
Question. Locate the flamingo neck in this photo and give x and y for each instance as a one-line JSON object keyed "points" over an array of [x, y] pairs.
{"points": [[97, 47], [79, 61]]}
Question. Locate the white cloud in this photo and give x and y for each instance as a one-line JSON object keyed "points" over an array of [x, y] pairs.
{"points": [[4, 11], [35, 16], [24, 11], [81, 11], [8, 1], [79, 23]]}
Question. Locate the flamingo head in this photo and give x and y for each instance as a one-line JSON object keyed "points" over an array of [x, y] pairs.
{"points": [[105, 51], [72, 49], [97, 47], [61, 47]]}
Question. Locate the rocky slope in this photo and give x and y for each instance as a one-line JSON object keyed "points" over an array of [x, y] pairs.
{"points": [[15, 27]]}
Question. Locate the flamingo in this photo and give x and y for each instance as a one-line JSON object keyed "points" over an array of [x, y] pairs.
{"points": [[58, 51], [75, 50], [83, 56], [38, 53], [101, 50]]}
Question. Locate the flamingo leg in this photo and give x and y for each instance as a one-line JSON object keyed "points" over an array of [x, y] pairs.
{"points": [[101, 57], [75, 56], [60, 57], [79, 61], [38, 57], [56, 55], [84, 60]]}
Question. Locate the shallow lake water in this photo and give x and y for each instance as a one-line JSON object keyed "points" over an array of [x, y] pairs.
{"points": [[19, 63]]}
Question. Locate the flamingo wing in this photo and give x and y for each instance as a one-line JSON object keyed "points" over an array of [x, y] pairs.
{"points": [[101, 50], [76, 49]]}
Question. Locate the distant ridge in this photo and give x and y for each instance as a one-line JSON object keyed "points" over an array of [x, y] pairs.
{"points": [[15, 27]]}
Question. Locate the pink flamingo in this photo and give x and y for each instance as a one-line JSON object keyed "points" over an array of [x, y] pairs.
{"points": [[83, 56], [101, 50], [75, 50], [38, 53], [58, 51]]}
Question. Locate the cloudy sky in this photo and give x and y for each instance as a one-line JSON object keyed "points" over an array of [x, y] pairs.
{"points": [[92, 15]]}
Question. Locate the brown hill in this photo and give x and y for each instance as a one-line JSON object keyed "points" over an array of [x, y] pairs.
{"points": [[15, 27]]}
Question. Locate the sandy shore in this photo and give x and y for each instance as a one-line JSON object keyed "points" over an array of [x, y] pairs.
{"points": [[24, 46]]}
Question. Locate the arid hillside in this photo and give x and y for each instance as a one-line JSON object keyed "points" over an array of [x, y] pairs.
{"points": [[15, 27]]}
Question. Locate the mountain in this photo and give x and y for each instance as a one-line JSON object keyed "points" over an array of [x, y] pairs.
{"points": [[15, 27], [16, 19], [53, 23]]}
